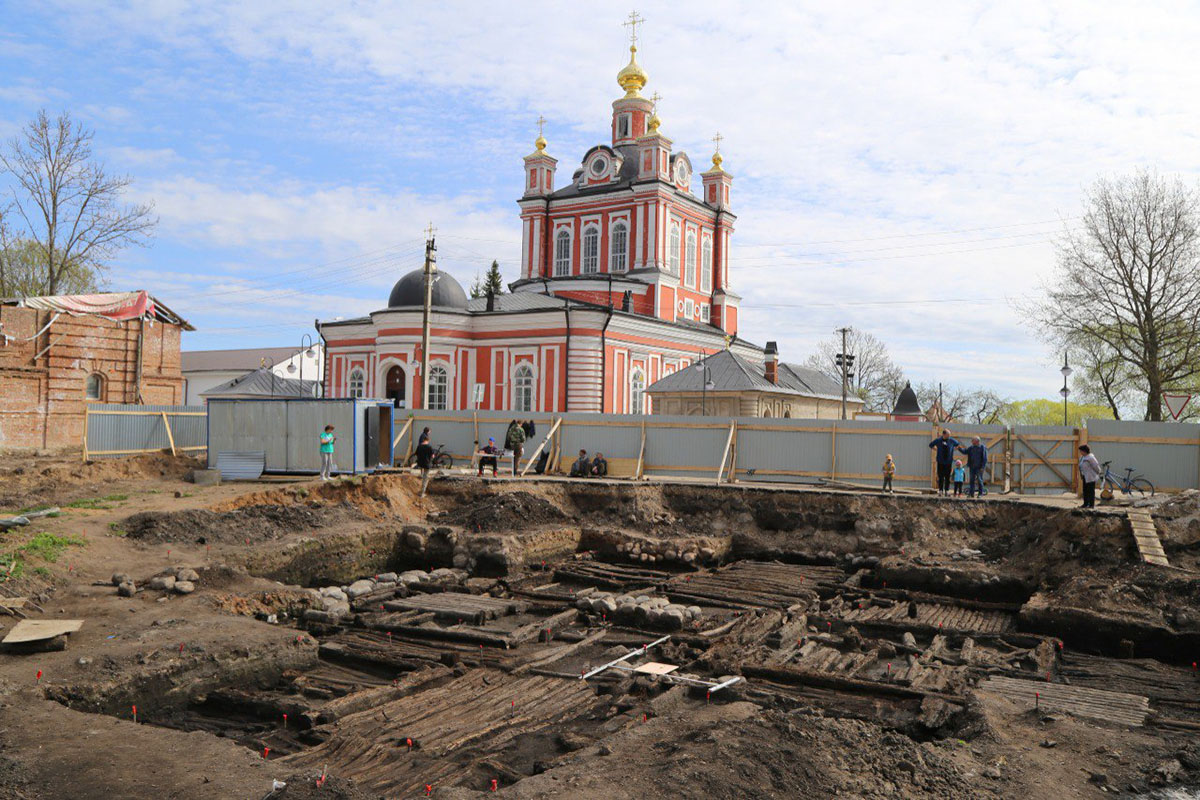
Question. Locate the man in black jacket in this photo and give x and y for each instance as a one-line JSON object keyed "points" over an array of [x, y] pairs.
{"points": [[977, 459], [944, 450]]}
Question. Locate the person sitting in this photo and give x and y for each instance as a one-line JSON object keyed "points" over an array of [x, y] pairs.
{"points": [[599, 466], [582, 466], [489, 460]]}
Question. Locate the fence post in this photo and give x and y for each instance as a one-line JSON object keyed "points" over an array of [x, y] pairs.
{"points": [[833, 452], [87, 415], [1021, 473], [170, 436], [640, 470], [725, 453], [733, 459]]}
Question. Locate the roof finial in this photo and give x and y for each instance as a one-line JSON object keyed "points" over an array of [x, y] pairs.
{"points": [[653, 123], [632, 78], [716, 159], [540, 141], [632, 21]]}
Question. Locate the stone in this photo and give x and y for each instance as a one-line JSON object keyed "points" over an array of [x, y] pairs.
{"points": [[326, 617], [442, 574], [360, 587], [1167, 771], [127, 589], [332, 603], [1048, 743], [205, 477], [187, 575], [671, 619], [335, 592], [992, 772], [163, 582], [184, 587], [460, 560], [606, 605], [695, 612], [387, 577], [120, 577], [409, 577]]}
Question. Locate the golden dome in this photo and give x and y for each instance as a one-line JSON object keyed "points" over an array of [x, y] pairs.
{"points": [[633, 77], [716, 159], [653, 123], [540, 144]]}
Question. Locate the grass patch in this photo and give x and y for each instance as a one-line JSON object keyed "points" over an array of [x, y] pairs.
{"points": [[100, 503], [116, 530], [48, 547], [12, 567]]}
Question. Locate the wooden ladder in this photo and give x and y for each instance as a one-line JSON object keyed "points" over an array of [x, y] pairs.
{"points": [[1146, 536]]}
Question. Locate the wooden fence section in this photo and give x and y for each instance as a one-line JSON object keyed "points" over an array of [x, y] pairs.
{"points": [[121, 430]]}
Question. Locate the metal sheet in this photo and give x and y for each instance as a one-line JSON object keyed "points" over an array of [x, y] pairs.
{"points": [[128, 433], [1170, 461], [241, 466]]}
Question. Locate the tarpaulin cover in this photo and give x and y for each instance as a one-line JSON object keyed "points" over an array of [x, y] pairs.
{"points": [[113, 305]]}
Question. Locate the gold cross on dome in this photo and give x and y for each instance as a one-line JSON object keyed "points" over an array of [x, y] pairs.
{"points": [[430, 231], [632, 22], [716, 140], [541, 122], [654, 98]]}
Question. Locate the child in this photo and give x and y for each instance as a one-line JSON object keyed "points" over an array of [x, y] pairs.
{"points": [[889, 469], [960, 475]]}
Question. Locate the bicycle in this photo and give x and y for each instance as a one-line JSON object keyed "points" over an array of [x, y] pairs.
{"points": [[441, 459], [1130, 484]]}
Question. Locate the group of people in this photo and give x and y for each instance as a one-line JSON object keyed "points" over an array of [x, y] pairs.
{"points": [[585, 467], [950, 470], [519, 431]]}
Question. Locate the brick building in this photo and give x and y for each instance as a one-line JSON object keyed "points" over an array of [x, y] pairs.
{"points": [[57, 354]]}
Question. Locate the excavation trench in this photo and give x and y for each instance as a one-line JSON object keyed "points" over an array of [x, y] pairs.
{"points": [[448, 642]]}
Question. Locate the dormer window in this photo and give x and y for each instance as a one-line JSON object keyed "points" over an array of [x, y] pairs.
{"points": [[599, 166], [682, 174]]}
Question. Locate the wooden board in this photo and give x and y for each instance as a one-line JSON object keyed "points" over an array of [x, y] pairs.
{"points": [[1145, 534], [1116, 707], [36, 630], [655, 668]]}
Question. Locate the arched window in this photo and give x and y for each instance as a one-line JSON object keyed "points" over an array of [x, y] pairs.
{"points": [[358, 384], [618, 247], [766, 412], [706, 266], [523, 388], [673, 249], [562, 253], [94, 388], [438, 385], [637, 392], [591, 250], [689, 264]]}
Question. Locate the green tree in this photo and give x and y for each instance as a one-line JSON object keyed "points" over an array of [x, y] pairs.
{"points": [[491, 281], [1050, 412]]}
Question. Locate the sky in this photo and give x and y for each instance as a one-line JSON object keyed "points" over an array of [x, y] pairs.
{"points": [[902, 168]]}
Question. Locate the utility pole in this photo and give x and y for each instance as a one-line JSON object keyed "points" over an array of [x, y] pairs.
{"points": [[430, 270], [844, 360]]}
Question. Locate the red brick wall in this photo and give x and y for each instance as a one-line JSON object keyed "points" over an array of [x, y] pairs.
{"points": [[42, 399]]}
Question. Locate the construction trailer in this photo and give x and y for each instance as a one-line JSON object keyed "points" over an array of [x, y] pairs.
{"points": [[287, 431]]}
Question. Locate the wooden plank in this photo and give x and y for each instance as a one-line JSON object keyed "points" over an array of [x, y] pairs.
{"points": [[407, 424], [36, 630], [536, 453], [1120, 707], [170, 436], [1145, 536], [725, 453], [639, 472]]}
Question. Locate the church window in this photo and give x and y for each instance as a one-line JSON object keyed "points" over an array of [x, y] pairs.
{"points": [[619, 247], [523, 388], [637, 392], [438, 386], [623, 126], [690, 260], [706, 266], [599, 166], [95, 387], [673, 249], [591, 250], [562, 253], [357, 383], [705, 313]]}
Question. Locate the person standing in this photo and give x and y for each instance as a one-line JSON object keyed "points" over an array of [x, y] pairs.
{"points": [[889, 471], [944, 452], [514, 440], [424, 461], [1089, 473], [960, 475], [423, 438], [327, 440], [977, 459]]}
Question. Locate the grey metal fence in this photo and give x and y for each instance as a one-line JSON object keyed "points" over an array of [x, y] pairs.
{"points": [[117, 429]]}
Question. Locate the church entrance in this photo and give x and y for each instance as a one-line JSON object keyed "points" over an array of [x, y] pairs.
{"points": [[395, 387]]}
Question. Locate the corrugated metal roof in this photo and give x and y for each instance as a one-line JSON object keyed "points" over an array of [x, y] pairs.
{"points": [[250, 358], [809, 381], [519, 301], [262, 382], [732, 373]]}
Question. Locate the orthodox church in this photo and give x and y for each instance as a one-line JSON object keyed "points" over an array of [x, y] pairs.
{"points": [[624, 279]]}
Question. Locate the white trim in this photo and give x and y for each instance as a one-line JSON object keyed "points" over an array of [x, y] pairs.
{"points": [[589, 227], [559, 230], [612, 226], [518, 366]]}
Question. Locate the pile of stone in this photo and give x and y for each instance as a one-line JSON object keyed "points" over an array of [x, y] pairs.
{"points": [[644, 611], [336, 601], [178, 581]]}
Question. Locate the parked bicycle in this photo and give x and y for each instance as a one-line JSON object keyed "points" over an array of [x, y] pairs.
{"points": [[441, 459], [1131, 484]]}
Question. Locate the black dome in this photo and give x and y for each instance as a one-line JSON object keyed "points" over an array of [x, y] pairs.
{"points": [[410, 291], [907, 404]]}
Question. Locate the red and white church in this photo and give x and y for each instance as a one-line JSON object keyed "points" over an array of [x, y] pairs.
{"points": [[624, 279]]}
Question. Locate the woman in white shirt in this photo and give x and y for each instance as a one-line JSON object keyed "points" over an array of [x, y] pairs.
{"points": [[1089, 472]]}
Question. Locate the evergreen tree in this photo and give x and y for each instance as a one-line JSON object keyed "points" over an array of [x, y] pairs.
{"points": [[490, 282]]}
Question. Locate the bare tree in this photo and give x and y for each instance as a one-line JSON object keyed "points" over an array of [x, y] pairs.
{"points": [[877, 380], [67, 205], [1130, 280], [957, 404]]}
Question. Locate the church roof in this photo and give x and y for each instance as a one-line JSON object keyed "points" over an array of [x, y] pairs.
{"points": [[410, 291], [731, 373], [262, 382], [906, 403], [625, 178]]}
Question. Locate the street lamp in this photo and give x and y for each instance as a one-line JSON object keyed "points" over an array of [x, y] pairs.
{"points": [[705, 384], [1066, 373], [306, 341]]}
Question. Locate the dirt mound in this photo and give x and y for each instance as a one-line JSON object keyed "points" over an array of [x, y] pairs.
{"points": [[62, 479], [505, 511], [253, 523], [303, 786]]}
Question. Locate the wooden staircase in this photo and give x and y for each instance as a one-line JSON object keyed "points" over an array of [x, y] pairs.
{"points": [[1146, 536]]}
